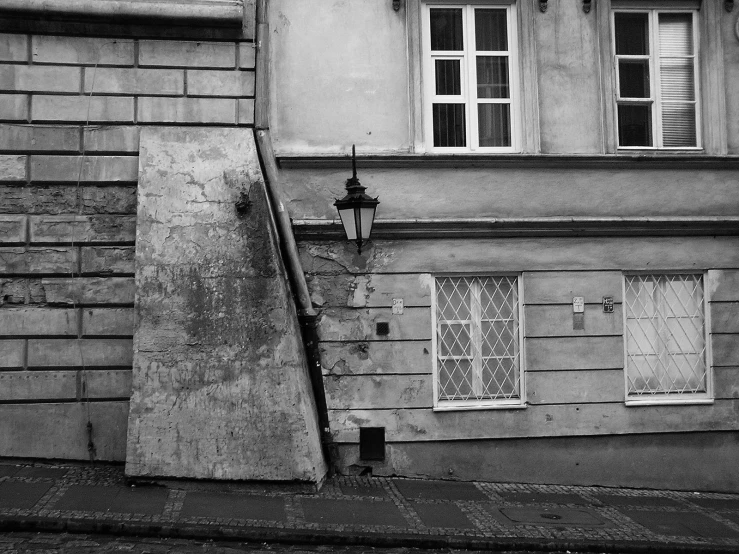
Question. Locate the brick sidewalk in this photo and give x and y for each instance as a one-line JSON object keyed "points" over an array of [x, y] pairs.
{"points": [[370, 511]]}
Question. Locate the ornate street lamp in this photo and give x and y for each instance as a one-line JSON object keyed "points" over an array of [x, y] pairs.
{"points": [[356, 209]]}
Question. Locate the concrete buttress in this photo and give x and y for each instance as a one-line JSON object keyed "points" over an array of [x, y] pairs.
{"points": [[220, 381]]}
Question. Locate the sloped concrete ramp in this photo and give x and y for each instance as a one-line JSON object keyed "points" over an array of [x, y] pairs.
{"points": [[220, 383]]}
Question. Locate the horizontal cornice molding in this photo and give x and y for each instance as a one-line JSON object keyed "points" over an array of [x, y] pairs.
{"points": [[458, 161], [222, 12], [390, 229]]}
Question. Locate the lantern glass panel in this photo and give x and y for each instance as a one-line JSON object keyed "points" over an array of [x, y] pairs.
{"points": [[347, 220], [368, 216]]}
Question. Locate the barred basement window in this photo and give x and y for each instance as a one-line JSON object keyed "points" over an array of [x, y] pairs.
{"points": [[656, 70], [477, 342], [666, 345]]}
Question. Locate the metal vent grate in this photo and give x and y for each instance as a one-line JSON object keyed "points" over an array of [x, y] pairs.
{"points": [[372, 443]]}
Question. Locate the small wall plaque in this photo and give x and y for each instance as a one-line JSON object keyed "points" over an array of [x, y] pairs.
{"points": [[608, 304], [397, 306], [578, 304]]}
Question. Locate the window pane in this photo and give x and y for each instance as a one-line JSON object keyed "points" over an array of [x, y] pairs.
{"points": [[448, 79], [499, 298], [446, 29], [678, 125], [491, 30], [632, 34], [499, 338], [453, 299], [635, 125], [455, 380], [676, 79], [449, 125], [492, 77], [633, 76], [494, 124], [500, 378], [454, 339], [675, 34]]}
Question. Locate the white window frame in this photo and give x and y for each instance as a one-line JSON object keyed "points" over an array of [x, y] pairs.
{"points": [[655, 99], [468, 77], [667, 398], [479, 404]]}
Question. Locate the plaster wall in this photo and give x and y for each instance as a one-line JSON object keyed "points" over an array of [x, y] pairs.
{"points": [[352, 75], [687, 461], [520, 192], [220, 383], [339, 71]]}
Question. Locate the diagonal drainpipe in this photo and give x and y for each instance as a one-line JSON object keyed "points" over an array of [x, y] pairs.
{"points": [[307, 316]]}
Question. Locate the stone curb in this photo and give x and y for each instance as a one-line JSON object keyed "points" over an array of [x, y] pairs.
{"points": [[307, 537]]}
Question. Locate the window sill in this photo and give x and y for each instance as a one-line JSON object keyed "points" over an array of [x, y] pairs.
{"points": [[478, 407], [669, 402]]}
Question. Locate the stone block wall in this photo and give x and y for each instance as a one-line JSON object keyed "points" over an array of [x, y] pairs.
{"points": [[71, 108]]}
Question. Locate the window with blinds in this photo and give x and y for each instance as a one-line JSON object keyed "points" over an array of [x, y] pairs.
{"points": [[657, 73], [471, 92]]}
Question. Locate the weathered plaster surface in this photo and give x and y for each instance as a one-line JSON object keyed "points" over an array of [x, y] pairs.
{"points": [[220, 385]]}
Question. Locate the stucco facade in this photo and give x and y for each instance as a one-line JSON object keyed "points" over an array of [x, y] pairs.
{"points": [[569, 214]]}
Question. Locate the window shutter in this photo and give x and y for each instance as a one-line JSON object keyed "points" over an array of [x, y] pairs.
{"points": [[677, 79]]}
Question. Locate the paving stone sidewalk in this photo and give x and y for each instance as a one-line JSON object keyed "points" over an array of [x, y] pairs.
{"points": [[371, 511]]}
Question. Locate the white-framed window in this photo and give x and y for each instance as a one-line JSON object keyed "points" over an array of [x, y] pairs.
{"points": [[477, 342], [470, 76], [666, 343], [656, 55]]}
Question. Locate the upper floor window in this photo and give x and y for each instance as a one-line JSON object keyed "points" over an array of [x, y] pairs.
{"points": [[477, 342], [657, 97], [470, 78], [665, 332]]}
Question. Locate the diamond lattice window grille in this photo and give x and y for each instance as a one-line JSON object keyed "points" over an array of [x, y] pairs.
{"points": [[477, 338], [665, 335]]}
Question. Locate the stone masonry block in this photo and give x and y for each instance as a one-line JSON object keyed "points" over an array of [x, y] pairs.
{"points": [[38, 200], [94, 168], [247, 55], [79, 228], [39, 137], [202, 82], [38, 385], [13, 48], [76, 353], [44, 260], [82, 50], [108, 259], [108, 200], [246, 112], [111, 139], [75, 108], [176, 53], [186, 110], [89, 290], [38, 321], [14, 107], [110, 322], [13, 291], [12, 353], [31, 78], [12, 229], [168, 82], [108, 383], [12, 167]]}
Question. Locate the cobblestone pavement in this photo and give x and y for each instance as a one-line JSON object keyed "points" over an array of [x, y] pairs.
{"points": [[66, 543], [369, 511]]}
